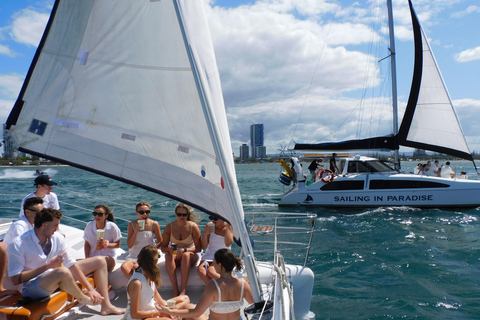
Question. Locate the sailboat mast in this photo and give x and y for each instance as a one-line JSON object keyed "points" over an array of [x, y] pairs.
{"points": [[394, 80]]}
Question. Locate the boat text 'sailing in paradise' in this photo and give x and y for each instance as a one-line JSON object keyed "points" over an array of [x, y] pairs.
{"points": [[429, 123], [131, 90]]}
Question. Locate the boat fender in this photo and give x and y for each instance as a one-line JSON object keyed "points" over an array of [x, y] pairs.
{"points": [[326, 175]]}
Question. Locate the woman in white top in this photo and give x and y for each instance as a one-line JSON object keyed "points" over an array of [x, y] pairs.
{"points": [[141, 232], [222, 237], [224, 296], [109, 244], [142, 290]]}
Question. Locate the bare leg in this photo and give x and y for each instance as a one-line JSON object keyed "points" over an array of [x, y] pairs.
{"points": [[3, 267], [212, 273], [127, 268], [62, 278], [202, 272], [110, 263], [188, 260], [98, 266], [172, 272]]}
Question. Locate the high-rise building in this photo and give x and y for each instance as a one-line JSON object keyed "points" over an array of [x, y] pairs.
{"points": [[256, 138], [244, 151], [10, 148]]}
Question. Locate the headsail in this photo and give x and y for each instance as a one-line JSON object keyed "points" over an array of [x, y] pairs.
{"points": [[113, 90], [429, 122]]}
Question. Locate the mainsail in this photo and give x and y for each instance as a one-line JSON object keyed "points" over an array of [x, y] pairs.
{"points": [[131, 90], [429, 122]]}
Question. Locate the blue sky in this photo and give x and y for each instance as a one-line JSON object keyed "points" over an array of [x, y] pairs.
{"points": [[298, 66]]}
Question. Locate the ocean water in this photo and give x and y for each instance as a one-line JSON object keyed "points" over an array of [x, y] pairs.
{"points": [[383, 263]]}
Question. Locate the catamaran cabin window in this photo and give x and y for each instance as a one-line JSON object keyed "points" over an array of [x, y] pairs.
{"points": [[343, 185], [405, 184], [368, 166]]}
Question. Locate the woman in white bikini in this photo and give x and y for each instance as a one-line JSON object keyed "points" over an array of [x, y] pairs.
{"points": [[224, 296], [184, 232]]}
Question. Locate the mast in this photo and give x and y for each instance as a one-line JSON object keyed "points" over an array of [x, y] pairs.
{"points": [[394, 80]]}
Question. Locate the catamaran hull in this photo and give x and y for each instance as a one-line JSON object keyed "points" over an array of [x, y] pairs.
{"points": [[379, 190]]}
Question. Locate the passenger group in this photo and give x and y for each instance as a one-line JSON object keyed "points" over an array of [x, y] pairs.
{"points": [[39, 260]]}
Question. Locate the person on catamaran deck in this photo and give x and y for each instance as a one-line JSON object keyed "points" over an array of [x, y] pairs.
{"points": [[31, 207], [186, 236], [44, 185], [141, 232], [463, 175], [435, 168], [39, 260], [447, 171], [221, 237], [313, 168], [142, 292], [224, 296], [418, 169], [333, 164], [102, 236]]}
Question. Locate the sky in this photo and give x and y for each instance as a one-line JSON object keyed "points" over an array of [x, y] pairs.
{"points": [[306, 69]]}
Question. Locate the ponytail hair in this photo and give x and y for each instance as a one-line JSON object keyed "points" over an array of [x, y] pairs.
{"points": [[147, 260], [228, 260], [108, 212]]}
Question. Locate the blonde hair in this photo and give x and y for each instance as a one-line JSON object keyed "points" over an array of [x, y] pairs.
{"points": [[192, 215]]}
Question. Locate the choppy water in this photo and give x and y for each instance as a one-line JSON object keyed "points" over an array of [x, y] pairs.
{"points": [[386, 263]]}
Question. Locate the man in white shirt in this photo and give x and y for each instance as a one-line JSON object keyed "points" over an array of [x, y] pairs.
{"points": [[44, 186], [447, 171], [40, 261], [31, 207]]}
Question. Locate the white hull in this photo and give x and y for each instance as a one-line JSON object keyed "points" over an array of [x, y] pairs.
{"points": [[443, 193], [379, 189]]}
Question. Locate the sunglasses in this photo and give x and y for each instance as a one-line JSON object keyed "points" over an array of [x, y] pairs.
{"points": [[182, 214], [141, 212], [33, 210], [100, 214], [213, 218]]}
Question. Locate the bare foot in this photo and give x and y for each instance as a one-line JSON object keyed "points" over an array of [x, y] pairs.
{"points": [[86, 300], [111, 310], [7, 292]]}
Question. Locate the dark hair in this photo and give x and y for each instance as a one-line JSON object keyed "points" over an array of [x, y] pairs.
{"points": [[47, 215], [30, 202], [107, 210], [147, 260], [228, 260]]}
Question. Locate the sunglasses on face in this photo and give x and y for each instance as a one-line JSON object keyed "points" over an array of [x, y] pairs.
{"points": [[100, 214], [33, 210], [182, 214], [213, 218], [141, 212]]}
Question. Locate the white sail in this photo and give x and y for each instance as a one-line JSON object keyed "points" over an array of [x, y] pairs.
{"points": [[435, 122], [112, 90]]}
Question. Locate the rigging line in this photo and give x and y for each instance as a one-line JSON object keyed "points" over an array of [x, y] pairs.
{"points": [[313, 76]]}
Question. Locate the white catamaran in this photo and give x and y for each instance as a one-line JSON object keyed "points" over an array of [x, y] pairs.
{"points": [[429, 123], [131, 90]]}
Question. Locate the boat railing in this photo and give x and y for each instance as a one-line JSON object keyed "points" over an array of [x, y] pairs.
{"points": [[285, 232]]}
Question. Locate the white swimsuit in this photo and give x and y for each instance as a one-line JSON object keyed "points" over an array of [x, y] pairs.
{"points": [[226, 306]]}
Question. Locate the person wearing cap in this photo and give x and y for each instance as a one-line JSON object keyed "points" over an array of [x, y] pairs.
{"points": [[44, 190], [463, 175]]}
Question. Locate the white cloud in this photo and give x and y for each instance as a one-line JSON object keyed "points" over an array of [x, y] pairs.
{"points": [[28, 26], [468, 55], [10, 85], [4, 50], [469, 10]]}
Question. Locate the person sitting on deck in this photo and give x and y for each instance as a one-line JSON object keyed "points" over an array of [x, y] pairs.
{"points": [[463, 175], [447, 171], [41, 263], [212, 240], [184, 232], [225, 296], [108, 244], [141, 232]]}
